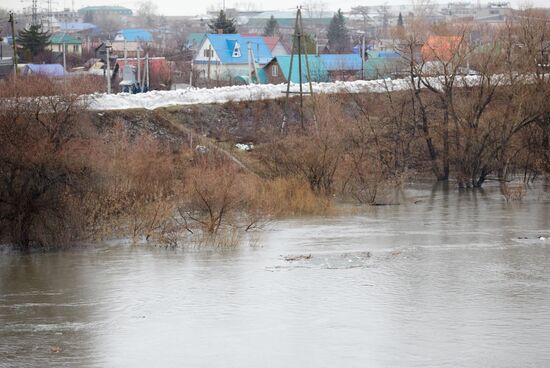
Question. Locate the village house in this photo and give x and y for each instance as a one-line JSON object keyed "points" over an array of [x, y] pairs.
{"points": [[322, 68], [275, 45], [342, 67], [71, 44], [225, 57], [131, 40], [440, 48], [278, 69]]}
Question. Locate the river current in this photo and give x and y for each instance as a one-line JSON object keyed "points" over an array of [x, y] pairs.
{"points": [[447, 278]]}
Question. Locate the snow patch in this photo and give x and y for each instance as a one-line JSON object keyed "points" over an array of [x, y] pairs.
{"points": [[256, 92]]}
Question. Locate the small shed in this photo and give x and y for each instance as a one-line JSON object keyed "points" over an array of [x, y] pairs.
{"points": [[342, 67]]}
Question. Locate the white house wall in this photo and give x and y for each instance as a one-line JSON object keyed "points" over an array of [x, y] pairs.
{"points": [[279, 50], [205, 46]]}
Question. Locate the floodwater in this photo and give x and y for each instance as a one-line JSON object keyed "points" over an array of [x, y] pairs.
{"points": [[448, 278]]}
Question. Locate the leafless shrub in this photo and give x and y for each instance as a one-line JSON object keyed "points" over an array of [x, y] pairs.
{"points": [[513, 193]]}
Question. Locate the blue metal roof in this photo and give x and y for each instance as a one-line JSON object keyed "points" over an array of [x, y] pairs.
{"points": [[133, 35], [224, 45], [341, 61], [73, 26], [317, 69], [50, 70], [384, 54]]}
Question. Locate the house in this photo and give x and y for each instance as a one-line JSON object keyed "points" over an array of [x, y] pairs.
{"points": [[275, 45], [225, 56], [278, 69], [72, 45], [383, 64], [131, 40], [134, 35], [49, 70], [441, 48], [342, 67]]}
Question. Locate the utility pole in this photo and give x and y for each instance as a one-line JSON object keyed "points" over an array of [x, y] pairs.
{"points": [[12, 22], [147, 79], [107, 47], [363, 57], [64, 57], [208, 68], [297, 41], [191, 74], [138, 65]]}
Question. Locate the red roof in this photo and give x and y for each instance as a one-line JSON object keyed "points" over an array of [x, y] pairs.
{"points": [[271, 41], [440, 48], [158, 66]]}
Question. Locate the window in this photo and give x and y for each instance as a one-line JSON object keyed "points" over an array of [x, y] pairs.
{"points": [[208, 53], [274, 71], [237, 50], [75, 48]]}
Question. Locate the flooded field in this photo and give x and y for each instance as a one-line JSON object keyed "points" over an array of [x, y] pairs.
{"points": [[447, 278]]}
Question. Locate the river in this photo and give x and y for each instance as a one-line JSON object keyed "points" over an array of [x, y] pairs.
{"points": [[448, 278]]}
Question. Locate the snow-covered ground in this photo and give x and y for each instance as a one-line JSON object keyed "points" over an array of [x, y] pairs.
{"points": [[155, 99]]}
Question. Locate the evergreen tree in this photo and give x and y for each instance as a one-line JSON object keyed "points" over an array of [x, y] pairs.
{"points": [[308, 44], [338, 35], [223, 23], [400, 21], [271, 27], [33, 40]]}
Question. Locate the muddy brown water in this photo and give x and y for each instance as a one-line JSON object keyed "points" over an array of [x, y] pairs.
{"points": [[457, 279]]}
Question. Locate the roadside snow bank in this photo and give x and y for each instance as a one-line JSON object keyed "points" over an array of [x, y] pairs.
{"points": [[155, 99]]}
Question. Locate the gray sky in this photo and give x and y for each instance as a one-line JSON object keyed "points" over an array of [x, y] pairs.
{"points": [[189, 7]]}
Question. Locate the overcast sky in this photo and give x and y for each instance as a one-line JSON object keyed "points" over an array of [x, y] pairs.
{"points": [[189, 7]]}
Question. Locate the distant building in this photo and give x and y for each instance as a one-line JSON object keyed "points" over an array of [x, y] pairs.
{"points": [[104, 10], [440, 48], [77, 28], [342, 67], [131, 40], [314, 21], [383, 64], [59, 40], [275, 45]]}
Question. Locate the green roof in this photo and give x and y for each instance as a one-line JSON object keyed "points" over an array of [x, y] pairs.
{"points": [[60, 38], [317, 69], [196, 38], [106, 9]]}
